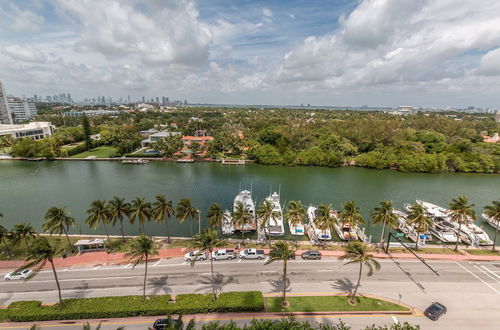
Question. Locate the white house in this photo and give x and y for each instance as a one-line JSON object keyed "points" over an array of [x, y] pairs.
{"points": [[35, 130]]}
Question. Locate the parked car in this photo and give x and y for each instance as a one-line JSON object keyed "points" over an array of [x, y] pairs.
{"points": [[163, 324], [435, 311], [195, 255], [18, 275], [223, 255], [311, 255], [252, 254]]}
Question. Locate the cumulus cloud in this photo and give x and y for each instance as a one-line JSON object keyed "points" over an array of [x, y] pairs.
{"points": [[158, 33], [16, 19], [25, 53], [397, 41]]}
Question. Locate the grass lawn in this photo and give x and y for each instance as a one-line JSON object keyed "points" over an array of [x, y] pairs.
{"points": [[100, 152], [3, 315], [18, 251], [330, 304], [481, 252], [426, 251]]}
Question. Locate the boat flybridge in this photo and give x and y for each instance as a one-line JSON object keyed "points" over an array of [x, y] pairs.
{"points": [[245, 197], [297, 229], [274, 225], [321, 234], [441, 228]]}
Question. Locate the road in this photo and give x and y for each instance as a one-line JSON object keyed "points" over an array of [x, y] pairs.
{"points": [[470, 290]]}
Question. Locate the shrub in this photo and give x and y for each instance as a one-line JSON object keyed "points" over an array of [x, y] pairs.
{"points": [[128, 306]]}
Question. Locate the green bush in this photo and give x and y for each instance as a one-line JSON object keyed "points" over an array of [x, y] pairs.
{"points": [[128, 306], [76, 150]]}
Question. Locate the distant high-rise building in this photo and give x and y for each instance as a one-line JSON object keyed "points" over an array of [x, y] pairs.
{"points": [[5, 117], [21, 110], [68, 97], [49, 99], [157, 99], [129, 99], [497, 116], [143, 99]]}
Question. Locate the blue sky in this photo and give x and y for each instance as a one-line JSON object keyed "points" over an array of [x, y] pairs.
{"points": [[343, 52]]}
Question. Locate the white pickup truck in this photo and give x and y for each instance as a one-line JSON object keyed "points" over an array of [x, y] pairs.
{"points": [[252, 254], [223, 255]]}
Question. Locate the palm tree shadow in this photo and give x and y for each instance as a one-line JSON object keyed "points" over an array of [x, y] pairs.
{"points": [[81, 291], [220, 282], [344, 285], [159, 285], [277, 285]]}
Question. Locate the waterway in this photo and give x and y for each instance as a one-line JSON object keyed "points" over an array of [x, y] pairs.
{"points": [[28, 189]]}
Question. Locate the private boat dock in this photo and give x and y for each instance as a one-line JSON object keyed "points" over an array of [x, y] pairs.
{"points": [[233, 162]]}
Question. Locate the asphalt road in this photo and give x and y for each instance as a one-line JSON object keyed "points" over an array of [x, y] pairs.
{"points": [[471, 291]]}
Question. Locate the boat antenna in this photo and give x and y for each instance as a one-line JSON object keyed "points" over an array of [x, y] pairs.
{"points": [[270, 189], [279, 190], [251, 188]]}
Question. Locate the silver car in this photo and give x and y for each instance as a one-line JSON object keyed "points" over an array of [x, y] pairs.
{"points": [[18, 275]]}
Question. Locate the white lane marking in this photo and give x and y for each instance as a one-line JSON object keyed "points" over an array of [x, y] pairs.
{"points": [[324, 270], [184, 263], [156, 263], [128, 265], [492, 272], [81, 279], [485, 273], [96, 267], [487, 284], [395, 319], [239, 260]]}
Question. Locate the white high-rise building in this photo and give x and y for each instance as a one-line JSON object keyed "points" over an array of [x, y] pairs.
{"points": [[5, 117], [21, 110], [497, 116]]}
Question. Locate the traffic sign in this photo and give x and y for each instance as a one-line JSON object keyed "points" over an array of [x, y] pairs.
{"points": [[399, 234]]}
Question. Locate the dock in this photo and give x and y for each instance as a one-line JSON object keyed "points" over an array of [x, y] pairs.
{"points": [[233, 162]]}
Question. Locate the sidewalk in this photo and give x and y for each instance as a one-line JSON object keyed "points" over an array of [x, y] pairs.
{"points": [[89, 259]]}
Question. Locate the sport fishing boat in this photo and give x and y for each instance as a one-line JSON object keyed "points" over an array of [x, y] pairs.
{"points": [[297, 229], [274, 225], [345, 231], [321, 234], [245, 197]]}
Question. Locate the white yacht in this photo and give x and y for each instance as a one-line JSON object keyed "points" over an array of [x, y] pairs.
{"points": [[470, 233], [297, 230], [246, 198], [404, 227], [324, 235], [490, 221], [274, 226], [227, 224], [444, 230]]}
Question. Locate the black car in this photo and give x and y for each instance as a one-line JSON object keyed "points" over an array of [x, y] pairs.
{"points": [[435, 311], [162, 324], [311, 255]]}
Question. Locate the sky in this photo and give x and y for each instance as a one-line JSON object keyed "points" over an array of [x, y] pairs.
{"points": [[286, 52]]}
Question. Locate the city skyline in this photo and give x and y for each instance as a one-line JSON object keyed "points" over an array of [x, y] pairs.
{"points": [[374, 52]]}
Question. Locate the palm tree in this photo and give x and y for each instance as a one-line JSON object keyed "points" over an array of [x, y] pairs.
{"points": [[186, 210], [462, 213], [325, 218], [493, 212], [98, 214], [385, 215], [281, 252], [140, 210], [265, 212], [4, 236], [351, 214], [419, 220], [241, 216], [39, 253], [118, 209], [215, 216], [23, 231], [207, 241], [58, 221], [355, 252], [162, 211], [140, 249], [295, 213]]}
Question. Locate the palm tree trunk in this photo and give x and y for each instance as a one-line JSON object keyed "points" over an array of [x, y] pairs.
{"points": [[145, 276], [359, 279], [57, 282], [168, 232], [191, 227], [416, 243], [242, 237], [121, 229], [284, 280], [106, 230], [383, 232], [26, 243], [495, 239], [213, 278], [67, 238], [458, 236]]}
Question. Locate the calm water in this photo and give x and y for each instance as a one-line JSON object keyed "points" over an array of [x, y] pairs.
{"points": [[28, 189]]}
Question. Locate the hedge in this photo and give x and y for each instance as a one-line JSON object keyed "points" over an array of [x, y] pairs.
{"points": [[128, 306]]}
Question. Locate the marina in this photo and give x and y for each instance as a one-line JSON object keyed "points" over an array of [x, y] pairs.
{"points": [[76, 184]]}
